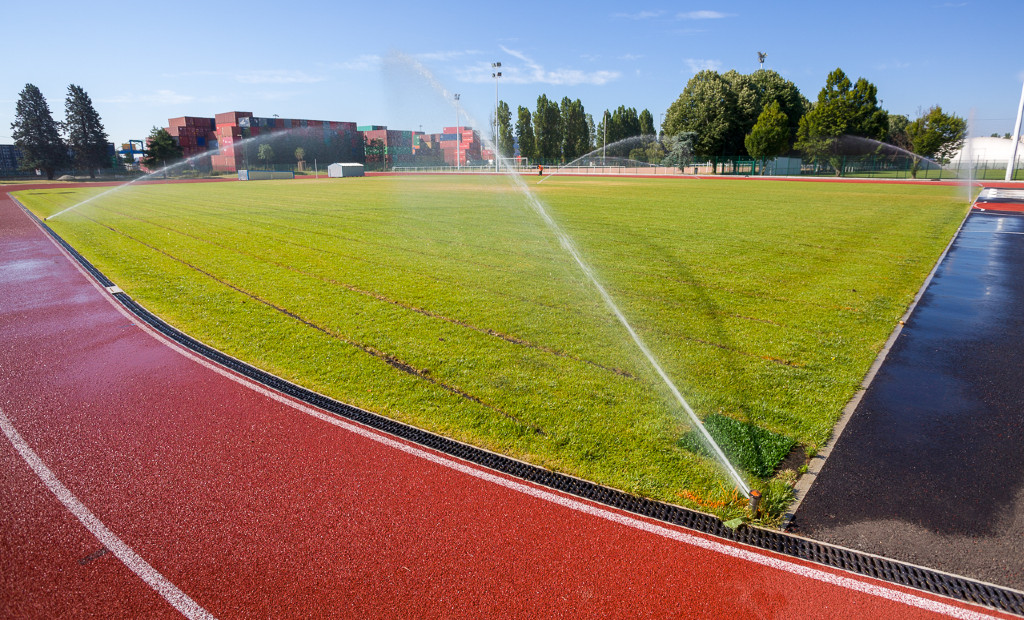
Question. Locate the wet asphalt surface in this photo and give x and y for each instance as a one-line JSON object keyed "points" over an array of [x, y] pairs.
{"points": [[930, 467]]}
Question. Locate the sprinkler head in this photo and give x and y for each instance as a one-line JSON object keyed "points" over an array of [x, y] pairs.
{"points": [[754, 504]]}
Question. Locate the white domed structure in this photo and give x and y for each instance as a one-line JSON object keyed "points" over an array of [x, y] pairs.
{"points": [[988, 150]]}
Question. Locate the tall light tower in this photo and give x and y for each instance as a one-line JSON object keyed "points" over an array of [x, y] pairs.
{"points": [[458, 135], [760, 57], [1016, 139], [495, 74], [604, 143]]}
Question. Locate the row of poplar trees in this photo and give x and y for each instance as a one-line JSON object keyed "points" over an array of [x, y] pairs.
{"points": [[79, 142], [561, 133]]}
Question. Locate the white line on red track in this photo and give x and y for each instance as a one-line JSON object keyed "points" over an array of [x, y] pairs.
{"points": [[170, 592], [849, 583]]}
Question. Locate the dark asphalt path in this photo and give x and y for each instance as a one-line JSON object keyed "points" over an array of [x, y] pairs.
{"points": [[930, 467], [137, 480]]}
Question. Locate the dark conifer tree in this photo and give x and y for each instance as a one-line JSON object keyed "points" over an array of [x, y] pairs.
{"points": [[37, 135], [87, 139]]}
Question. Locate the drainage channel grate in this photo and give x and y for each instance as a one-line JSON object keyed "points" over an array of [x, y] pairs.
{"points": [[779, 542]]}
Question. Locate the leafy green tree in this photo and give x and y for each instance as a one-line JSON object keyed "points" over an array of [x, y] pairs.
{"points": [[936, 135], [300, 154], [897, 133], [679, 149], [37, 135], [161, 150], [506, 142], [622, 123], [547, 127], [265, 154], [524, 134], [653, 152], [707, 107], [756, 91], [646, 123], [769, 136], [842, 109], [575, 133], [85, 134], [591, 132]]}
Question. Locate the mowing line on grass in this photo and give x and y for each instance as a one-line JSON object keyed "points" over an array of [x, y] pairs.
{"points": [[387, 358], [383, 298], [488, 331]]}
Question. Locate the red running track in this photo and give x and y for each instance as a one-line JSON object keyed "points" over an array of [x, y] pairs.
{"points": [[137, 480]]}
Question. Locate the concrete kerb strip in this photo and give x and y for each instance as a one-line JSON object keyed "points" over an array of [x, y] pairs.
{"points": [[803, 484]]}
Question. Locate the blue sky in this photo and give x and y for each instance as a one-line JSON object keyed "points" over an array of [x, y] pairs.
{"points": [[397, 63]]}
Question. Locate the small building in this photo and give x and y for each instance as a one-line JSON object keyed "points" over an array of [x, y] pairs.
{"points": [[345, 170]]}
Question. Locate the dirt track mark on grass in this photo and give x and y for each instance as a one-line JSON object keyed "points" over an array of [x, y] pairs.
{"points": [[388, 358], [383, 298]]}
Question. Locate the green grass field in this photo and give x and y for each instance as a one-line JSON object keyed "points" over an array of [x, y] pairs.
{"points": [[446, 303]]}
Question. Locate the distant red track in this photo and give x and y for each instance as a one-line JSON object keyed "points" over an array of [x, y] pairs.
{"points": [[252, 504]]}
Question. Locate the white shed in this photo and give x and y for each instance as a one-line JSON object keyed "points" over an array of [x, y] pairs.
{"points": [[345, 170]]}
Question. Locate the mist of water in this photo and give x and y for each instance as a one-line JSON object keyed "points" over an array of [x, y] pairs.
{"points": [[600, 154], [181, 164], [567, 244]]}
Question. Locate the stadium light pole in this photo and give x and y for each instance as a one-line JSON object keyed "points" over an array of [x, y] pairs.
{"points": [[1016, 138], [495, 74], [458, 135], [604, 143]]}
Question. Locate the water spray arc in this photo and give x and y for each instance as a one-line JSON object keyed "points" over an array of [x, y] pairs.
{"points": [[165, 169], [631, 142], [569, 246], [1016, 138]]}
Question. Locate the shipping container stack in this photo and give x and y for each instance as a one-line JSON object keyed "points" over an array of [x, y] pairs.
{"points": [[191, 133], [462, 144], [226, 130]]}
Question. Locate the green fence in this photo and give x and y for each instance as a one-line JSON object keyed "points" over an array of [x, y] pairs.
{"points": [[878, 166]]}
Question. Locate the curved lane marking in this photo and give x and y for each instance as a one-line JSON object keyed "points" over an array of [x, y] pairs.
{"points": [[170, 592], [849, 583]]}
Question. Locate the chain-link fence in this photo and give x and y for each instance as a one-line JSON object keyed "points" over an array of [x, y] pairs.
{"points": [[870, 166]]}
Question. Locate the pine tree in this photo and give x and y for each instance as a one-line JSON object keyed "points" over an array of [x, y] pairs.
{"points": [[84, 130], [37, 135], [160, 150]]}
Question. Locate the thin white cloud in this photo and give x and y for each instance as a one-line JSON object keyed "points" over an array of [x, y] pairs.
{"points": [[631, 56], [363, 62], [699, 64], [639, 16], [702, 15], [160, 97], [533, 72], [277, 76], [445, 56]]}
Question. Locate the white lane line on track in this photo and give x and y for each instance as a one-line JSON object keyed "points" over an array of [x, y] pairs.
{"points": [[178, 599], [873, 589], [581, 506]]}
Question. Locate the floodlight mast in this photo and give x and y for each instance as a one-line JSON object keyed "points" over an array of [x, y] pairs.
{"points": [[760, 57], [604, 143], [458, 135], [1016, 138], [496, 75]]}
